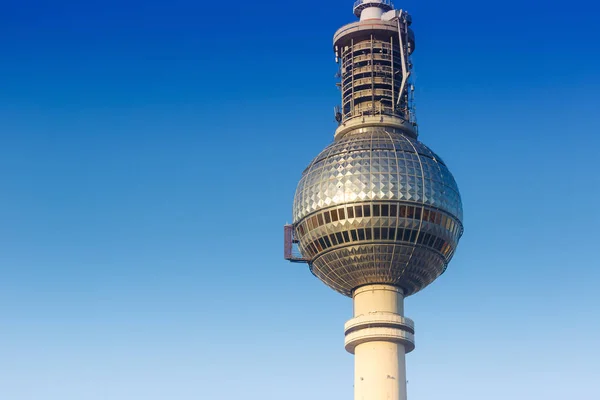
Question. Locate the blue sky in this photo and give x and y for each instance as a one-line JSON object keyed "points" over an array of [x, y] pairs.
{"points": [[149, 153]]}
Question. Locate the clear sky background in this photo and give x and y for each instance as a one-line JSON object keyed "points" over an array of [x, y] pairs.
{"points": [[149, 153]]}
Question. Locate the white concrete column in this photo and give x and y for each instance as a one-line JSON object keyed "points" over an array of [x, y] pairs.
{"points": [[378, 298], [379, 371], [379, 337], [371, 13]]}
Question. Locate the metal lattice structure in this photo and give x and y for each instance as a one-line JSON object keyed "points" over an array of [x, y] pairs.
{"points": [[371, 66], [374, 58], [291, 252]]}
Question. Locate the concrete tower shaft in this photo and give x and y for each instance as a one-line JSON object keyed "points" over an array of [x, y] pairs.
{"points": [[379, 337]]}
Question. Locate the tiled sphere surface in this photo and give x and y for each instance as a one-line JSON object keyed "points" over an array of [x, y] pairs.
{"points": [[377, 206]]}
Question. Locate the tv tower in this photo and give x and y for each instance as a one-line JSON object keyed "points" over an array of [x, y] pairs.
{"points": [[377, 215]]}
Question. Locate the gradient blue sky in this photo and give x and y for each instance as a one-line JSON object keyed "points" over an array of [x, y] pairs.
{"points": [[149, 153]]}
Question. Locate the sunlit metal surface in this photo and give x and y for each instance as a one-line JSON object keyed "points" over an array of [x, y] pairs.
{"points": [[410, 210]]}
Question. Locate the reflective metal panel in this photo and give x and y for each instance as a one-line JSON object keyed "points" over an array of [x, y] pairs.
{"points": [[377, 206]]}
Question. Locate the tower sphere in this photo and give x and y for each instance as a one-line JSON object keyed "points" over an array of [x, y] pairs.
{"points": [[377, 207]]}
